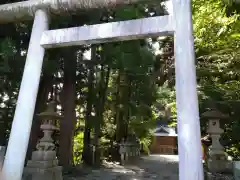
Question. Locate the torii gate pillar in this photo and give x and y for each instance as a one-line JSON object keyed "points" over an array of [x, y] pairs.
{"points": [[22, 122], [189, 144]]}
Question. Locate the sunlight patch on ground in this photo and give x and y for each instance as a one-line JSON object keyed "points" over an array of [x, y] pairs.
{"points": [[161, 157]]}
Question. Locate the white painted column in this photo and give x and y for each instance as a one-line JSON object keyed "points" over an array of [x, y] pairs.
{"points": [[189, 140], [22, 122]]}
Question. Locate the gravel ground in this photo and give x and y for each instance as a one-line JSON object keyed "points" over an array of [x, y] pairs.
{"points": [[217, 176], [154, 167]]}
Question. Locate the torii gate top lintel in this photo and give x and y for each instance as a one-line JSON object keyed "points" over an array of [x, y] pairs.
{"points": [[26, 9]]}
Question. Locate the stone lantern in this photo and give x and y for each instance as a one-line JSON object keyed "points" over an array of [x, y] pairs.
{"points": [[217, 159], [44, 163]]}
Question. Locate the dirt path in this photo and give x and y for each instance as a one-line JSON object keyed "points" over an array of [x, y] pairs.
{"points": [[154, 167]]}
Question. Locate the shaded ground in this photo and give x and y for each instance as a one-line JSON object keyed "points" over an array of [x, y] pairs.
{"points": [[154, 167]]}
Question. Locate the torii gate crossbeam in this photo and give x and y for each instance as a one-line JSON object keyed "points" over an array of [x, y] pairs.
{"points": [[179, 24]]}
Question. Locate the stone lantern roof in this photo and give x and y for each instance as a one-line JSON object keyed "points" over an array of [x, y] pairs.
{"points": [[214, 114], [50, 112]]}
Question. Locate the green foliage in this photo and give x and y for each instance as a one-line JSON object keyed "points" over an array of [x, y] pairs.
{"points": [[78, 148], [217, 48], [214, 31], [145, 145]]}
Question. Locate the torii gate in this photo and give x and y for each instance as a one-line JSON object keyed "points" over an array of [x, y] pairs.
{"points": [[179, 24]]}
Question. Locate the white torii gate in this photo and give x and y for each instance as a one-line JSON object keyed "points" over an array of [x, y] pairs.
{"points": [[179, 24]]}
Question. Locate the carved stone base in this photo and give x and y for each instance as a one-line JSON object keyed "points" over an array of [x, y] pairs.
{"points": [[217, 154], [218, 162], [220, 166], [43, 155], [42, 164], [43, 170]]}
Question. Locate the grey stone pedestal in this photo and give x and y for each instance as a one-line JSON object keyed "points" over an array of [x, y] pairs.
{"points": [[223, 166], [43, 170], [236, 170], [44, 163]]}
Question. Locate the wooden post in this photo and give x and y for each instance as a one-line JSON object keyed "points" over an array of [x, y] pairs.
{"points": [[122, 152], [2, 154], [189, 139], [93, 154], [22, 122]]}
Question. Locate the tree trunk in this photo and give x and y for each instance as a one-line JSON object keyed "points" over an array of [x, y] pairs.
{"points": [[67, 124], [87, 155], [103, 85], [122, 109], [5, 118], [44, 89], [2, 132]]}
